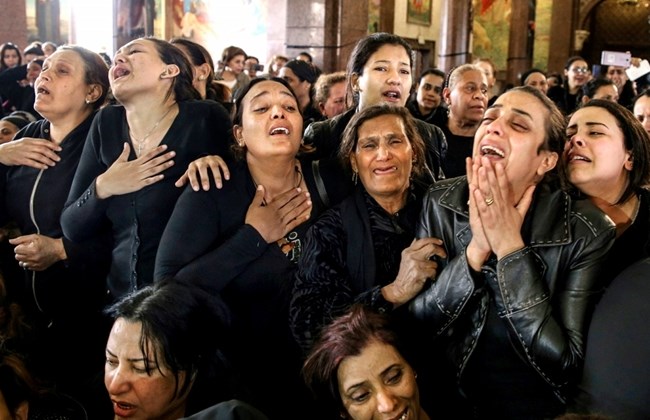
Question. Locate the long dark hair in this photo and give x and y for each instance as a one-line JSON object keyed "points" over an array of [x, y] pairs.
{"points": [[361, 54], [184, 325], [635, 140], [198, 56], [238, 110], [182, 87]]}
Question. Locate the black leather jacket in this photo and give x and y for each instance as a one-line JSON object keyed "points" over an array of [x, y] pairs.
{"points": [[326, 137], [544, 293]]}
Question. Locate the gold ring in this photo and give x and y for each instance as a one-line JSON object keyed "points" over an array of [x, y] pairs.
{"points": [[489, 201]]}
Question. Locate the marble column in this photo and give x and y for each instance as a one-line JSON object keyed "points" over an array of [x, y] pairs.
{"points": [[455, 30]]}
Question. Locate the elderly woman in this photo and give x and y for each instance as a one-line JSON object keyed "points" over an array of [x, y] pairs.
{"points": [[379, 71], [358, 369], [162, 354], [330, 94], [513, 297], [466, 96], [62, 289], [134, 153], [607, 160], [363, 249], [251, 237]]}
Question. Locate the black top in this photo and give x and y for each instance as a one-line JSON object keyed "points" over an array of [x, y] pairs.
{"points": [[616, 374], [255, 279], [325, 137], [458, 148], [351, 252], [34, 200], [414, 109], [137, 219]]}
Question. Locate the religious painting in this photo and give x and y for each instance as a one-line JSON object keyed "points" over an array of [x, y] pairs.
{"points": [[207, 23], [374, 8], [491, 30], [418, 12]]}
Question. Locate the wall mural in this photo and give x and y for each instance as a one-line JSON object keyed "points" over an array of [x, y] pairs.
{"points": [[215, 26], [490, 30]]}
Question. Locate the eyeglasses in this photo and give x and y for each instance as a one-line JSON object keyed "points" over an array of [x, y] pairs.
{"points": [[583, 70], [615, 71]]}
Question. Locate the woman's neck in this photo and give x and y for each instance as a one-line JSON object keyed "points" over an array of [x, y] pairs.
{"points": [[623, 214], [61, 127], [462, 127], [393, 203], [275, 175], [228, 75]]}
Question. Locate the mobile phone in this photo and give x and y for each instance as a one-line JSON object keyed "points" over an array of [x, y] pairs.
{"points": [[615, 58], [259, 67]]}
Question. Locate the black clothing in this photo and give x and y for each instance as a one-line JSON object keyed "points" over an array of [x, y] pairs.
{"points": [[563, 99], [458, 148], [350, 253], [430, 118], [540, 297], [326, 137], [616, 376], [137, 219], [64, 301], [18, 97], [255, 279], [633, 244]]}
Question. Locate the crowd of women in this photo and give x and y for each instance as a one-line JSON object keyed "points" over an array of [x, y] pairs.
{"points": [[438, 256]]}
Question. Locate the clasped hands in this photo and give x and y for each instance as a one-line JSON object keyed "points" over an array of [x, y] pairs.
{"points": [[495, 214]]}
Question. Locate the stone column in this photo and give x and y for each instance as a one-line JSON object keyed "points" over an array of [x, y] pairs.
{"points": [[455, 33]]}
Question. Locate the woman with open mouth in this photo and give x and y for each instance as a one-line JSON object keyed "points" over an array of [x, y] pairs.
{"points": [[135, 152], [244, 240], [61, 280], [511, 304]]}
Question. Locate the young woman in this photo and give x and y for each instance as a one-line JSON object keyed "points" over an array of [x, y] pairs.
{"points": [[251, 238], [232, 74], [607, 160], [379, 71], [134, 153], [511, 305]]}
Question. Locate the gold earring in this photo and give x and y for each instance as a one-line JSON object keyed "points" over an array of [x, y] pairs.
{"points": [[201, 77]]}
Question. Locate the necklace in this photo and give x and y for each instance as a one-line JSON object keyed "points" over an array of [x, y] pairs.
{"points": [[298, 174], [142, 141]]}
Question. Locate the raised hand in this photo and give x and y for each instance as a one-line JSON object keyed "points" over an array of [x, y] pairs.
{"points": [[501, 217], [28, 151], [198, 176], [38, 252], [415, 268], [125, 176], [275, 219], [479, 249]]}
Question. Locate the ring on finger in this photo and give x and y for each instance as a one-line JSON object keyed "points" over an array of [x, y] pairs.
{"points": [[489, 201]]}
